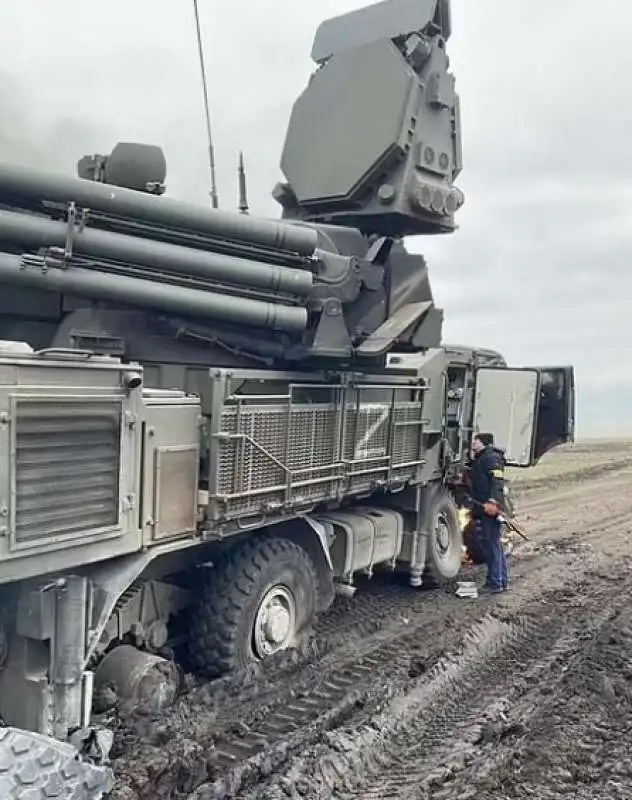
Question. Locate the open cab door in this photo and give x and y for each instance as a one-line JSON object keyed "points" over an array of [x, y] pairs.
{"points": [[529, 410]]}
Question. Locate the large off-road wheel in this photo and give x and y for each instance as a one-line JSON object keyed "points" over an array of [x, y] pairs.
{"points": [[445, 540], [261, 598]]}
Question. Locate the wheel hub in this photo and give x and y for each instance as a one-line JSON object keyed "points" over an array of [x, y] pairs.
{"points": [[274, 625], [442, 535], [277, 624]]}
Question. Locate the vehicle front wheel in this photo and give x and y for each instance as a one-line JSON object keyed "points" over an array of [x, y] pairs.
{"points": [[445, 541], [260, 599]]}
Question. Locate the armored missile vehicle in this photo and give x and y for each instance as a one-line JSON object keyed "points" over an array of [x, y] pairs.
{"points": [[210, 423]]}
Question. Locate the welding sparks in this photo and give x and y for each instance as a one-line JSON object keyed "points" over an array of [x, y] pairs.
{"points": [[465, 517]]}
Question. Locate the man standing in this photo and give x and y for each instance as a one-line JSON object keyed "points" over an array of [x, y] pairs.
{"points": [[487, 477]]}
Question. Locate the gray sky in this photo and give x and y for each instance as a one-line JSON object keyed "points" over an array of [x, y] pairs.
{"points": [[539, 268]]}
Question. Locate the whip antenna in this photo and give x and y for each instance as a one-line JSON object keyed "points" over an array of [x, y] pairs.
{"points": [[211, 152]]}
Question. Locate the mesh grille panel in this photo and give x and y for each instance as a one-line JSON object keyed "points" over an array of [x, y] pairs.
{"points": [[271, 456], [67, 467]]}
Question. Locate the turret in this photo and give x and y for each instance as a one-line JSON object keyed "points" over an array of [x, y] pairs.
{"points": [[106, 262], [374, 141]]}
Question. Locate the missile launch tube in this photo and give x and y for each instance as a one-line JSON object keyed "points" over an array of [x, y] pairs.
{"points": [[36, 185], [151, 294], [31, 231]]}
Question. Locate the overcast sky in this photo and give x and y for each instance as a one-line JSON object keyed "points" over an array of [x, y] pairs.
{"points": [[540, 267]]}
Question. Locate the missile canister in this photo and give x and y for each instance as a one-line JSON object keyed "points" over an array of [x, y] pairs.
{"points": [[32, 184], [32, 231], [29, 271]]}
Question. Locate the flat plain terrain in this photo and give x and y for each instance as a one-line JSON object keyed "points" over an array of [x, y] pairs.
{"points": [[419, 694]]}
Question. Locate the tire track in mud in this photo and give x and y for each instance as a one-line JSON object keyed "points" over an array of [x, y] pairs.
{"points": [[560, 498], [322, 691], [279, 748], [524, 554], [579, 473], [424, 739], [579, 749], [564, 740], [562, 733], [404, 632]]}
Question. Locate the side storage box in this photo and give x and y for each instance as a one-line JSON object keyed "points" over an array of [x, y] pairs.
{"points": [[171, 457]]}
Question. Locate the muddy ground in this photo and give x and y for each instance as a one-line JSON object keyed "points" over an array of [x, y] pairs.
{"points": [[418, 694]]}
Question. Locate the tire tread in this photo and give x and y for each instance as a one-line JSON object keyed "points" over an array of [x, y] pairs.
{"points": [[214, 623]]}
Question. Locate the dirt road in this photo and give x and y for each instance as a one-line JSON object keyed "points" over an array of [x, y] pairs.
{"points": [[406, 694]]}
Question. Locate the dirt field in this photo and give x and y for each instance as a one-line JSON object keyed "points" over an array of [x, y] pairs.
{"points": [[418, 694]]}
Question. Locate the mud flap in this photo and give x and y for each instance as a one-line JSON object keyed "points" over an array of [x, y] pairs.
{"points": [[33, 765]]}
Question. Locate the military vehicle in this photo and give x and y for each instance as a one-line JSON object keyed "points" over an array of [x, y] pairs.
{"points": [[210, 423]]}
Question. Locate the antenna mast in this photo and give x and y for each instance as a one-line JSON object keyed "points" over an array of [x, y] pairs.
{"points": [[243, 193], [211, 151]]}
